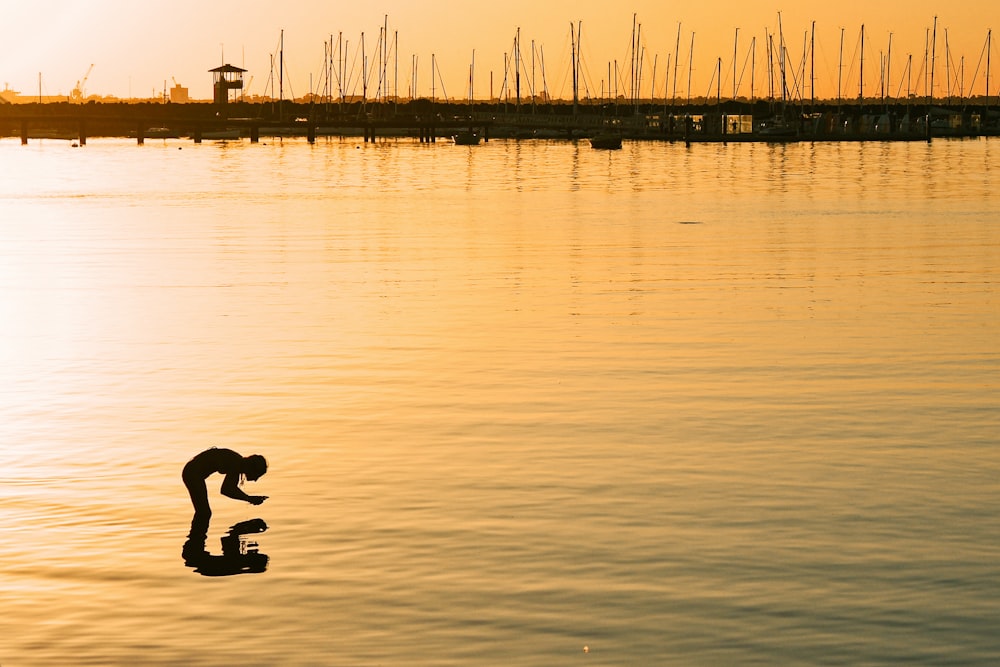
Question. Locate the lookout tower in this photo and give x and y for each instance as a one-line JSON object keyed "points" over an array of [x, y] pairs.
{"points": [[224, 79]]}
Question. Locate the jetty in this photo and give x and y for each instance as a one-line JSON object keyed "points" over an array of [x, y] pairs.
{"points": [[428, 121]]}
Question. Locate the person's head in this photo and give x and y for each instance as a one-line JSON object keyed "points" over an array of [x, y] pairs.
{"points": [[254, 466]]}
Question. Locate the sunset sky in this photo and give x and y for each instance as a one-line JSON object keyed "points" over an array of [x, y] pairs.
{"points": [[137, 47]]}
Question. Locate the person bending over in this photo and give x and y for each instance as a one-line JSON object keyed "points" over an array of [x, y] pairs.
{"points": [[229, 463]]}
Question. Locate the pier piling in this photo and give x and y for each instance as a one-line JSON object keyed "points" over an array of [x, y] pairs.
{"points": [[24, 132]]}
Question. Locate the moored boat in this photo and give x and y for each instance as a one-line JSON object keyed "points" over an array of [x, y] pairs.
{"points": [[606, 141], [466, 138]]}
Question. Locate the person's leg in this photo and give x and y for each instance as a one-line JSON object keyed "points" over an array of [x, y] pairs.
{"points": [[199, 494]]}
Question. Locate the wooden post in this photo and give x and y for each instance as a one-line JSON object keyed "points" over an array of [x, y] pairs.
{"points": [[254, 134], [83, 132], [140, 134], [24, 132], [311, 133], [197, 135]]}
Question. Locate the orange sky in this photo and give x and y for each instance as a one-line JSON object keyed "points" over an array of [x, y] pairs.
{"points": [[136, 47]]}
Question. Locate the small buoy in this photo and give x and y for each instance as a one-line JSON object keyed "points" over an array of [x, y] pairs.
{"points": [[586, 649]]}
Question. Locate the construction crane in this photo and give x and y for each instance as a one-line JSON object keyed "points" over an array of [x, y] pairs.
{"points": [[78, 93]]}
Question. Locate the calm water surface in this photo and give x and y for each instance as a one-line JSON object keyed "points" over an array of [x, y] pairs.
{"points": [[524, 403]]}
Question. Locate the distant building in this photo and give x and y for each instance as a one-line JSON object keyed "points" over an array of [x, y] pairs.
{"points": [[179, 94], [224, 79]]}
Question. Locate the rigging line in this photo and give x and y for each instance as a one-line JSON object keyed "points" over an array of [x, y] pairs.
{"points": [[906, 70], [437, 66], [975, 74], [743, 70]]}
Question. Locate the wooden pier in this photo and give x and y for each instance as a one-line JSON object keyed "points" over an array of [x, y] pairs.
{"points": [[426, 122]]}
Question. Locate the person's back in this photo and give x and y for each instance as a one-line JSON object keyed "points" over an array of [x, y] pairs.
{"points": [[213, 460]]}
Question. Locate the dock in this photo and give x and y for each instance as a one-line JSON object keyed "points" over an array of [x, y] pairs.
{"points": [[427, 121]]}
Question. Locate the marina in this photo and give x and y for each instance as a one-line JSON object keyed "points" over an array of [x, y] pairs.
{"points": [[362, 98], [425, 121]]}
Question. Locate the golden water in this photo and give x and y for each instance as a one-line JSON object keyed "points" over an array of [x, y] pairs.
{"points": [[694, 406]]}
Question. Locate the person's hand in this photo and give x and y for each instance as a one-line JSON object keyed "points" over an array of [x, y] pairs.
{"points": [[257, 500]]}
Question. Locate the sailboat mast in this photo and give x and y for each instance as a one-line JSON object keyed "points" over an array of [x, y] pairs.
{"points": [[947, 68], [517, 67], [718, 83], [989, 35], [652, 85], [736, 47], [861, 84], [576, 61], [573, 56], [781, 62], [802, 77], [635, 60], [888, 72], [690, 67], [769, 38], [534, 86], [930, 92], [840, 68], [909, 79], [640, 52], [677, 59], [812, 64], [666, 78], [385, 59]]}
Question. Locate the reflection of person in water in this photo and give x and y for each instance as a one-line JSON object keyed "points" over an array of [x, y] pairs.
{"points": [[228, 463], [239, 554]]}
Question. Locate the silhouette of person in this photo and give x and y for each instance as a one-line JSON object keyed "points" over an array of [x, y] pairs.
{"points": [[229, 463], [240, 555]]}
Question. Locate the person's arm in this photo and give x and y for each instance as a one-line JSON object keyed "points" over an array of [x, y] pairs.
{"points": [[231, 488]]}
